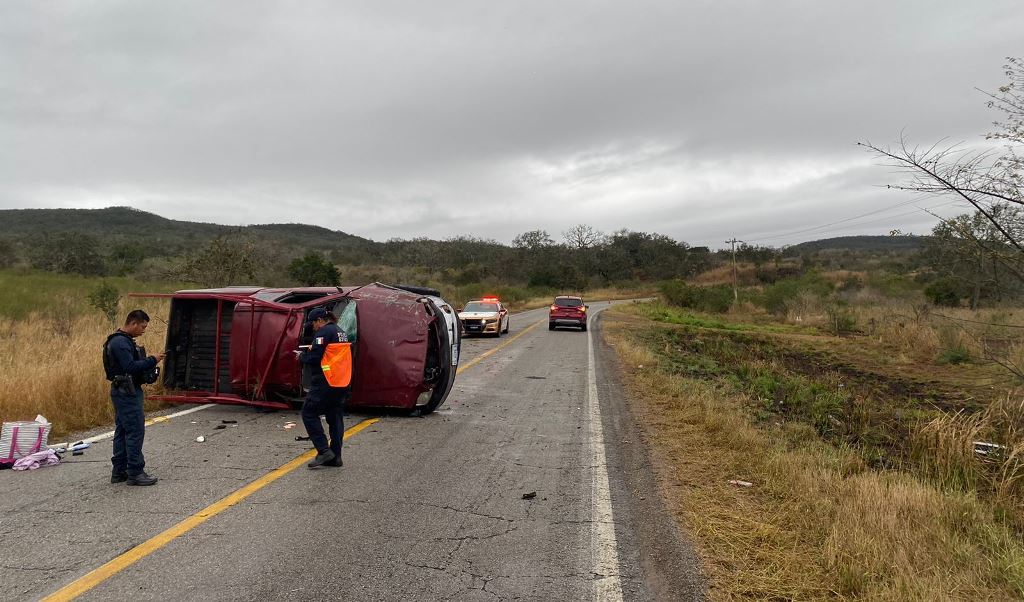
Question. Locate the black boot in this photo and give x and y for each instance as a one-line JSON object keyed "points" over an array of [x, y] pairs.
{"points": [[141, 479], [118, 477], [321, 459]]}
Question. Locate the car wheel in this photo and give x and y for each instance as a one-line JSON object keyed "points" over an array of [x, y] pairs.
{"points": [[583, 327], [551, 325]]}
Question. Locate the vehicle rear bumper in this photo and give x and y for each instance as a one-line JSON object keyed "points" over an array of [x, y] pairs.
{"points": [[568, 321]]}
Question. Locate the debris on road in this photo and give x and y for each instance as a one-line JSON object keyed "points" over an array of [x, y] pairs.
{"points": [[289, 425], [741, 483], [47, 457], [229, 422], [200, 438], [530, 496], [984, 448], [301, 438], [220, 426], [76, 449]]}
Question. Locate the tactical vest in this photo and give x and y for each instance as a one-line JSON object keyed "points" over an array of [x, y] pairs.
{"points": [[111, 369]]}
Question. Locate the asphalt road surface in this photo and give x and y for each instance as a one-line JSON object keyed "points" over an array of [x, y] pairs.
{"points": [[530, 483]]}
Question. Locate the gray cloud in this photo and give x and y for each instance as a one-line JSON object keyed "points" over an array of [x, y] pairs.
{"points": [[700, 120]]}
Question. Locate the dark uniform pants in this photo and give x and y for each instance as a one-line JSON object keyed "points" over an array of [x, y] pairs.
{"points": [[329, 403], [129, 432]]}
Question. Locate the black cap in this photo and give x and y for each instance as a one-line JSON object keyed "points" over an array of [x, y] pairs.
{"points": [[318, 313]]}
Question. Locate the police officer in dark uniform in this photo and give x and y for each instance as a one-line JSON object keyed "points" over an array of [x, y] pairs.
{"points": [[323, 399], [127, 368]]}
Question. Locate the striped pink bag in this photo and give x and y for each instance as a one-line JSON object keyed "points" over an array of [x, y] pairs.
{"points": [[19, 439]]}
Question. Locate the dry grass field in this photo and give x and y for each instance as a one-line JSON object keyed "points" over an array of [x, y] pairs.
{"points": [[866, 483], [51, 364]]}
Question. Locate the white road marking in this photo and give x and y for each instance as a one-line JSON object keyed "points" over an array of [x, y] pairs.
{"points": [[151, 421], [603, 544]]}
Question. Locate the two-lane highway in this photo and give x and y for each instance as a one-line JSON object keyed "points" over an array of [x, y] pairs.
{"points": [[519, 487]]}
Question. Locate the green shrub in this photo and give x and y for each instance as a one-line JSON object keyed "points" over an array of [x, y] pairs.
{"points": [[714, 299], [777, 297], [956, 354], [8, 256], [944, 291], [893, 285], [105, 298], [840, 320], [313, 270]]}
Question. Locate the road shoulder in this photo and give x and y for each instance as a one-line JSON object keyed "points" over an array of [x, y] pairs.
{"points": [[668, 564]]}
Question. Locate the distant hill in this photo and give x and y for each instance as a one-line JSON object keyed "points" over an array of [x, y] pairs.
{"points": [[168, 237], [860, 243], [118, 224]]}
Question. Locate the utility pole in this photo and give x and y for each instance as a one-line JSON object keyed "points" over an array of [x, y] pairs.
{"points": [[735, 272]]}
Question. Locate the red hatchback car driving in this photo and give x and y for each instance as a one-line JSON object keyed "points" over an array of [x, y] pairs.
{"points": [[568, 311]]}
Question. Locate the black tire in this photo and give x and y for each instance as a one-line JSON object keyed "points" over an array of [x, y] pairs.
{"points": [[583, 327], [551, 325]]}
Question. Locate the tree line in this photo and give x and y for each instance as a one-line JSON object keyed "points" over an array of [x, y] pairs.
{"points": [[580, 258]]}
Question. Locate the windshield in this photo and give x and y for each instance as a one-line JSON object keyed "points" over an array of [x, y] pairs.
{"points": [[568, 302], [477, 306]]}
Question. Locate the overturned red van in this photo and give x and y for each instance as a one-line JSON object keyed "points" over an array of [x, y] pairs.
{"points": [[235, 344]]}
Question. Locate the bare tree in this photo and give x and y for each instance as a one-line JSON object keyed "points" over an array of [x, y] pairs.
{"points": [[582, 236], [984, 179]]}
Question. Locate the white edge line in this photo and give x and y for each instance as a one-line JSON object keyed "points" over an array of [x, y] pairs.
{"points": [[604, 546], [149, 422]]}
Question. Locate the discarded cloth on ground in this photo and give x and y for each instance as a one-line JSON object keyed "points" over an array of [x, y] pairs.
{"points": [[47, 457]]}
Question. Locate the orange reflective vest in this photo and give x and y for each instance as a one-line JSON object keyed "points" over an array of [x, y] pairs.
{"points": [[337, 364]]}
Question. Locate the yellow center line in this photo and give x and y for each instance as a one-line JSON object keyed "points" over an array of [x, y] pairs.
{"points": [[118, 564], [491, 352], [97, 576]]}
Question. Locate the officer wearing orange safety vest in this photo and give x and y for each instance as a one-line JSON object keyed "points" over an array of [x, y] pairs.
{"points": [[330, 357]]}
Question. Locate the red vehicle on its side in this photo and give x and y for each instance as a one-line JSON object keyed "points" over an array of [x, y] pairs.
{"points": [[567, 311], [234, 345]]}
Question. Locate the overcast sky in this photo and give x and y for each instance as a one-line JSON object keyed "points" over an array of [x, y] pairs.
{"points": [[701, 120]]}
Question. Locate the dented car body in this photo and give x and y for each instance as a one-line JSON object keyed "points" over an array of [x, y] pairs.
{"points": [[235, 345]]}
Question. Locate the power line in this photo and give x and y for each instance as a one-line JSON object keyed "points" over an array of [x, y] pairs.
{"points": [[856, 217], [844, 220], [890, 217]]}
